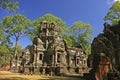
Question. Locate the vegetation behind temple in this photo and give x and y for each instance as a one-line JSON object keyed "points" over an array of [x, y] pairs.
{"points": [[113, 15], [79, 33]]}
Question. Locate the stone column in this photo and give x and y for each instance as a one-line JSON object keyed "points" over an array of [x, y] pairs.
{"points": [[69, 60], [75, 60], [53, 56]]}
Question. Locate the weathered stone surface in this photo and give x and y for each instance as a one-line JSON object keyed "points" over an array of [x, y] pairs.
{"points": [[49, 54], [105, 55]]}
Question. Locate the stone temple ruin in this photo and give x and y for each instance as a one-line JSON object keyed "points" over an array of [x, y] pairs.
{"points": [[50, 54], [105, 55]]}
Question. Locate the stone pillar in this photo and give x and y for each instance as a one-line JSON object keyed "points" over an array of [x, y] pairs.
{"points": [[53, 56], [43, 72], [75, 60], [38, 55], [35, 58], [69, 60], [63, 59]]}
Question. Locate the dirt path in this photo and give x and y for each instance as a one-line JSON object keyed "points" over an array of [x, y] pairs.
{"points": [[5, 72], [7, 75]]}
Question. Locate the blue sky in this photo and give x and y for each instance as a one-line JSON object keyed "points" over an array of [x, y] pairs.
{"points": [[70, 11]]}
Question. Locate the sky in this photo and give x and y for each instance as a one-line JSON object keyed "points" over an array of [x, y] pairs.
{"points": [[70, 11]]}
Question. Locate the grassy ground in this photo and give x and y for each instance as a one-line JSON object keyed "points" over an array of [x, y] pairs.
{"points": [[35, 77]]}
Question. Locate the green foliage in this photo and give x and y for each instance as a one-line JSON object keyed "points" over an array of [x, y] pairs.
{"points": [[3, 49], [11, 5], [113, 14], [88, 49], [5, 54], [81, 34], [49, 18], [19, 49], [4, 39], [16, 26], [68, 39], [1, 32]]}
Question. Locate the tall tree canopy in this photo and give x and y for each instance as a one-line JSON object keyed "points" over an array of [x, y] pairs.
{"points": [[80, 34], [6, 53], [16, 27], [4, 39], [1, 32], [49, 18], [5, 43], [113, 15], [11, 5], [5, 47]]}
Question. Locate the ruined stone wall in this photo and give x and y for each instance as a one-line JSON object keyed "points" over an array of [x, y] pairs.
{"points": [[105, 54]]}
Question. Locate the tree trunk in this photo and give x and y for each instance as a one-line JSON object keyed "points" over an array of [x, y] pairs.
{"points": [[16, 53]]}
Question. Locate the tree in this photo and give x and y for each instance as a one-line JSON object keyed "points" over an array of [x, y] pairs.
{"points": [[16, 27], [80, 33], [113, 15], [68, 39], [1, 32], [49, 18], [4, 39], [19, 49], [6, 53], [5, 49], [11, 5], [5, 43]]}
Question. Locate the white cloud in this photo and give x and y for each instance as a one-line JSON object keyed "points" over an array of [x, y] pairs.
{"points": [[116, 0], [111, 1]]}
